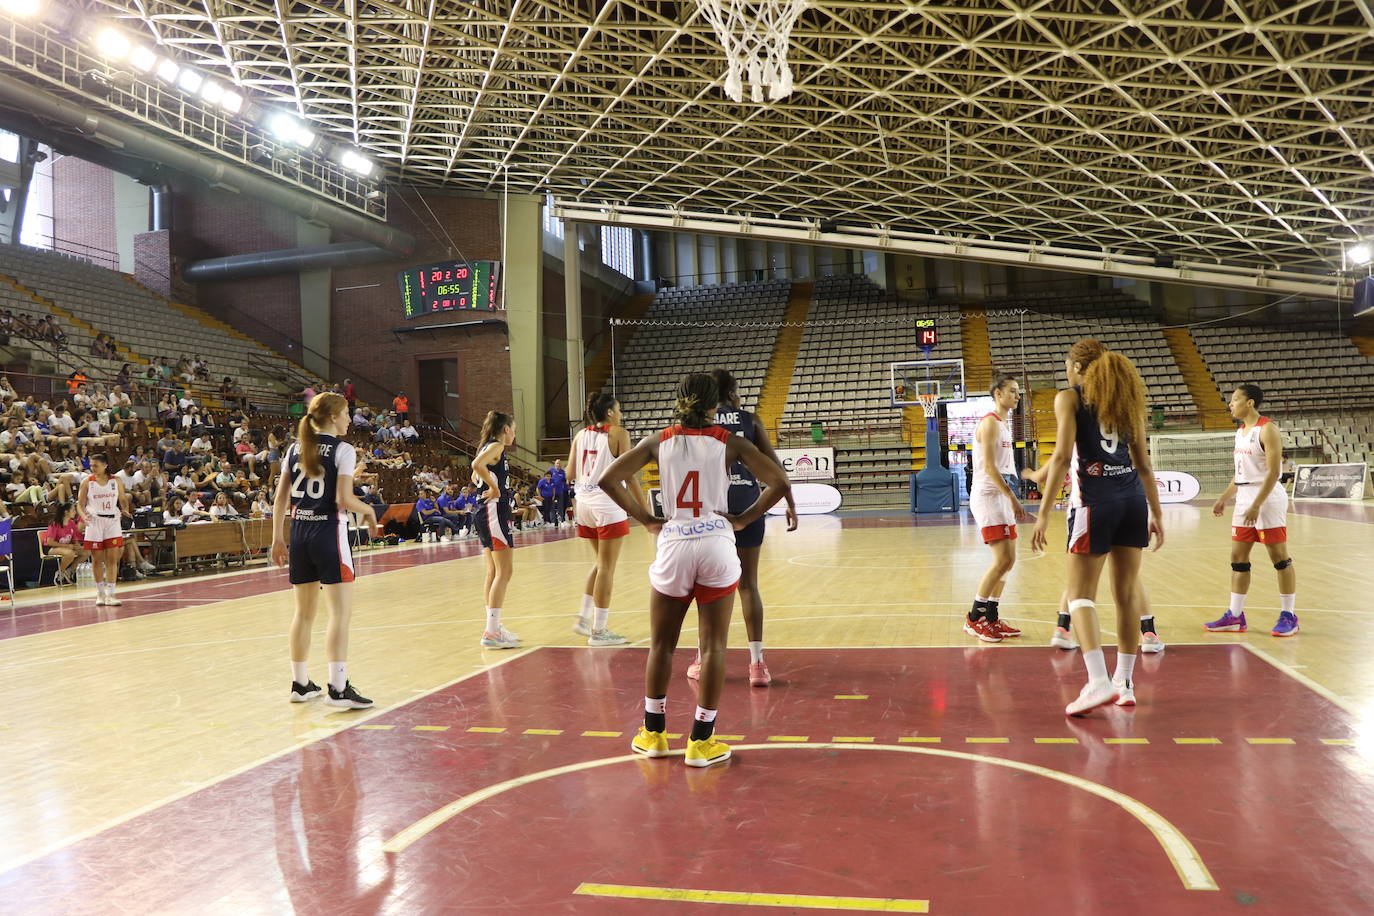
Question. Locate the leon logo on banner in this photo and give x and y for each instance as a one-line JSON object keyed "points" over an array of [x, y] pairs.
{"points": [[808, 463], [1176, 486]]}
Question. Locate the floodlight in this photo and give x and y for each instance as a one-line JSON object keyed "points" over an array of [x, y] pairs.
{"points": [[212, 91], [168, 70], [288, 129], [190, 81], [143, 59], [356, 162], [20, 8], [113, 44], [1359, 254], [231, 102]]}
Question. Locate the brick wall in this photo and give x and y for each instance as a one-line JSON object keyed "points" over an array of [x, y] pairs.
{"points": [[84, 211]]}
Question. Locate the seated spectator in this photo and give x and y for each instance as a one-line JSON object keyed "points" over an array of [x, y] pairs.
{"points": [[200, 369], [454, 507], [28, 490], [150, 377], [52, 332], [123, 419], [25, 327], [62, 539], [124, 378], [61, 427], [262, 506], [130, 475], [164, 369], [193, 511], [432, 518], [75, 380], [361, 419], [7, 326], [224, 480], [383, 433], [184, 371], [243, 452], [155, 486], [408, 431], [526, 510], [97, 433], [222, 509], [193, 420], [182, 485], [7, 391]]}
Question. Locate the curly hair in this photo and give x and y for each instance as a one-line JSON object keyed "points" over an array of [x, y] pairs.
{"points": [[697, 397], [1112, 387]]}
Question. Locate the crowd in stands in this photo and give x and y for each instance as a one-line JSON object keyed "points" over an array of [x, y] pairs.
{"points": [[29, 327]]}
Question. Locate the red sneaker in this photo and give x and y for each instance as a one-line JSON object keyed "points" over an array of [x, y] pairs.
{"points": [[1007, 630], [981, 628]]}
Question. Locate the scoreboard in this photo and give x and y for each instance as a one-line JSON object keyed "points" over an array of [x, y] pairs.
{"points": [[450, 286], [926, 334]]}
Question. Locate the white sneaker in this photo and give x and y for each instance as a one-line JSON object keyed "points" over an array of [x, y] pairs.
{"points": [[582, 626], [1093, 695], [99, 599], [1150, 643], [1062, 639], [445, 539], [501, 639], [1126, 692], [112, 601], [604, 637], [147, 567]]}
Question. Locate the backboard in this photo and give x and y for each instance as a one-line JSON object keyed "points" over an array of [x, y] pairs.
{"points": [[942, 377]]}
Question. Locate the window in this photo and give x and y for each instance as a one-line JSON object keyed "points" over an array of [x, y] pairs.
{"points": [[552, 225], [618, 249]]}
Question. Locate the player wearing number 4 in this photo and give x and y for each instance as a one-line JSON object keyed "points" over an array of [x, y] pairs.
{"points": [[1261, 513], [996, 510], [696, 558], [314, 491], [599, 520]]}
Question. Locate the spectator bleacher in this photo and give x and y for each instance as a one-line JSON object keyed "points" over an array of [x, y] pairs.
{"points": [[1041, 335], [695, 339], [854, 331]]}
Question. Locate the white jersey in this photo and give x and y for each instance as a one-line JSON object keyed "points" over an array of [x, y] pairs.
{"points": [[1251, 463], [592, 457], [102, 500], [695, 482], [1006, 459]]}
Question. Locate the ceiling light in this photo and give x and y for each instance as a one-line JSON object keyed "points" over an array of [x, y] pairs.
{"points": [[112, 44], [356, 162], [190, 81], [1360, 254], [288, 129], [21, 8], [231, 102], [168, 70], [143, 59], [212, 91]]}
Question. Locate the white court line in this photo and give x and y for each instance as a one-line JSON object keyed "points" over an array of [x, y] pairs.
{"points": [[1303, 679], [63, 843]]}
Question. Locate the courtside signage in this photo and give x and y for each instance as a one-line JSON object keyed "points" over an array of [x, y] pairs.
{"points": [[1176, 486], [808, 463], [1330, 481], [811, 499]]}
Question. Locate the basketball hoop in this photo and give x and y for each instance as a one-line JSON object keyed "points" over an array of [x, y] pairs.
{"points": [[930, 403], [754, 36]]}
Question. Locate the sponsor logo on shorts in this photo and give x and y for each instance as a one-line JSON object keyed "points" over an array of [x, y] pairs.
{"points": [[1102, 469], [692, 529]]}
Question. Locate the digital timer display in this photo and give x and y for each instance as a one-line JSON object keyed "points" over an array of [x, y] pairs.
{"points": [[449, 287], [926, 335]]}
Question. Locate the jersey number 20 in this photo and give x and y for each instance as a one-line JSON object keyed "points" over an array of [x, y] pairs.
{"points": [[302, 486], [692, 500]]}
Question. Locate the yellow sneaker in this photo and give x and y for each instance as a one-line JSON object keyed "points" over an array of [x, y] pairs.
{"points": [[707, 752], [650, 744]]}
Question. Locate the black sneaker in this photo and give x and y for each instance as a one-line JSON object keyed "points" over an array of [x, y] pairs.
{"points": [[347, 698], [302, 692]]}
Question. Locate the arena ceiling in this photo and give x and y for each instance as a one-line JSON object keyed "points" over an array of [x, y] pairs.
{"points": [[1208, 129]]}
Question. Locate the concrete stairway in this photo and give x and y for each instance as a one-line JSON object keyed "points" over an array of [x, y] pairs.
{"points": [[778, 380], [1201, 386]]}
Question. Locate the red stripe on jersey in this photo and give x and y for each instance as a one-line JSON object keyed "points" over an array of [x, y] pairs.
{"points": [[715, 432]]}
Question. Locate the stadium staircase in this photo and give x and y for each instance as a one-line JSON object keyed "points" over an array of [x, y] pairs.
{"points": [[1201, 386], [599, 369], [777, 382], [977, 347], [1046, 430]]}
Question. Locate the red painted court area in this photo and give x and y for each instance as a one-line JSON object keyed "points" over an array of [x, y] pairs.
{"points": [[941, 775]]}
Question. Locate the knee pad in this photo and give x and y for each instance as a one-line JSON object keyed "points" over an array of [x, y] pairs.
{"points": [[1284, 564], [1240, 567]]}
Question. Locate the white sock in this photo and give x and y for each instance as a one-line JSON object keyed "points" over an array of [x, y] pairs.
{"points": [[981, 598], [298, 673], [493, 620], [1097, 665], [755, 652], [602, 615], [705, 715], [656, 704], [587, 607], [1288, 602], [1125, 667], [338, 675], [109, 589], [1237, 604]]}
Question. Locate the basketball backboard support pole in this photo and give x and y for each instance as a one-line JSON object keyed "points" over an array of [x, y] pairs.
{"points": [[928, 383]]}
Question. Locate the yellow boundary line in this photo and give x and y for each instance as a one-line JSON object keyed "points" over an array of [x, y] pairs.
{"points": [[749, 898], [1192, 871]]}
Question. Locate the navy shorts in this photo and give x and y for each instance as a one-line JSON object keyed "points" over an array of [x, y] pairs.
{"points": [[740, 499], [492, 521], [1097, 528], [320, 553]]}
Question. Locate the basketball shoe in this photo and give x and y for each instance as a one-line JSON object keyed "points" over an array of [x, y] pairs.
{"points": [[706, 752], [758, 675], [1287, 625], [694, 669], [347, 698], [302, 692], [501, 639], [983, 629], [1005, 630], [1093, 695], [1227, 623], [582, 626], [650, 744], [604, 637], [1126, 692], [1063, 639], [1150, 643]]}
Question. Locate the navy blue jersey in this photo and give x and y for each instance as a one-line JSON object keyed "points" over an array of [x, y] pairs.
{"points": [[500, 469], [739, 423], [1101, 470], [313, 499]]}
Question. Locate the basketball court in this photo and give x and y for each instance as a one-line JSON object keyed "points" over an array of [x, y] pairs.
{"points": [[895, 765]]}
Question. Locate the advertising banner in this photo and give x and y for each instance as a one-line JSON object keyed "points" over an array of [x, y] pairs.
{"points": [[1330, 481], [808, 463], [1176, 486]]}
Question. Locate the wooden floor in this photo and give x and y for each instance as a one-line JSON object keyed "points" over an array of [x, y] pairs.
{"points": [[103, 722]]}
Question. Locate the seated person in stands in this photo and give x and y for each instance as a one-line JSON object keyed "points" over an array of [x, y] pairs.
{"points": [[243, 452], [432, 517], [383, 433], [193, 420], [183, 485], [60, 423], [25, 327], [123, 420], [193, 511], [361, 419], [200, 369], [131, 475], [52, 332], [408, 431], [222, 509], [13, 436], [167, 412], [124, 378], [262, 506], [174, 456], [97, 433], [62, 539], [7, 391], [155, 484], [183, 370], [28, 490], [223, 479], [526, 512], [164, 369], [245, 483], [454, 508], [104, 347], [183, 400], [7, 326], [150, 378]]}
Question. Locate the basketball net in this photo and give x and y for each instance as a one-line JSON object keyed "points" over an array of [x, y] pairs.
{"points": [[754, 35], [930, 404]]}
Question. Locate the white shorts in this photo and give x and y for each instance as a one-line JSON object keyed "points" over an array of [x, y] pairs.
{"points": [[100, 530], [705, 568], [993, 514], [1271, 527], [598, 517]]}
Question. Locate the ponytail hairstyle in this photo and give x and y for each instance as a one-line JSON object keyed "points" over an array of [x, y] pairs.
{"points": [[598, 405], [1000, 381], [1113, 388], [697, 397], [1253, 392], [728, 387], [494, 424], [322, 407]]}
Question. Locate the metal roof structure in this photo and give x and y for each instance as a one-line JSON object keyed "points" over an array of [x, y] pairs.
{"points": [[1214, 130]]}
